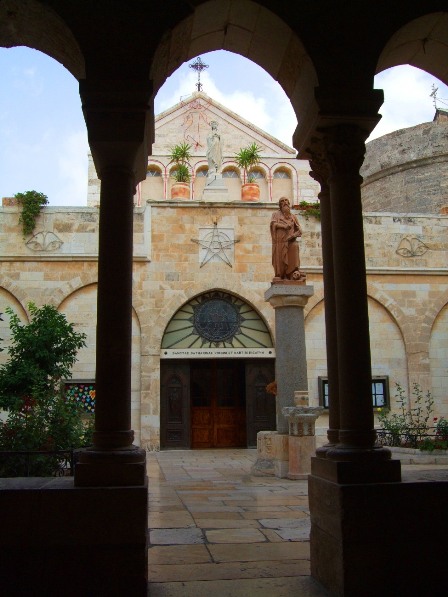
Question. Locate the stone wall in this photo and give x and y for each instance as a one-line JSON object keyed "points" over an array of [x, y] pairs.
{"points": [[407, 171], [407, 285]]}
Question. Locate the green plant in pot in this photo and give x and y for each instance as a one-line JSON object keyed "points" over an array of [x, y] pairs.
{"points": [[180, 156], [247, 158]]}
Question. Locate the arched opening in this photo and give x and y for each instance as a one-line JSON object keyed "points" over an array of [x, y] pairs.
{"points": [[200, 179], [216, 361], [152, 187], [43, 138]]}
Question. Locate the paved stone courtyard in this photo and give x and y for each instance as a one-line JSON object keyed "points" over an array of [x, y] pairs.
{"points": [[216, 530]]}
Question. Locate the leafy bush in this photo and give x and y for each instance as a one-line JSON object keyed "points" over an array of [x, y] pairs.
{"points": [[410, 425], [39, 417], [41, 354], [309, 209], [31, 202]]}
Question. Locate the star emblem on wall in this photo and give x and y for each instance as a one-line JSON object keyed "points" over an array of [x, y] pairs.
{"points": [[216, 245]]}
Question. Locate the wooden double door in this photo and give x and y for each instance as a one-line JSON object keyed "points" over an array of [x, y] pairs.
{"points": [[215, 403]]}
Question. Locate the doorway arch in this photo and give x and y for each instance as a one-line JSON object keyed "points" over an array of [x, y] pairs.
{"points": [[217, 358]]}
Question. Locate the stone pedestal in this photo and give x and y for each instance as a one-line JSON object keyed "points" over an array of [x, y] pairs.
{"points": [[289, 300], [215, 189], [58, 539], [301, 450], [302, 440], [395, 530], [273, 454]]}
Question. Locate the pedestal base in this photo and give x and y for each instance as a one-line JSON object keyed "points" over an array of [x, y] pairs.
{"points": [[117, 468], [273, 454], [375, 539], [57, 539], [301, 449], [215, 189]]}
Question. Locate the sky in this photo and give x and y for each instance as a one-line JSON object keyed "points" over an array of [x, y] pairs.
{"points": [[43, 139]]}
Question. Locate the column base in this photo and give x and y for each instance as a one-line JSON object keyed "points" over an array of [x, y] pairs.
{"points": [[114, 468], [397, 531], [386, 471], [58, 539]]}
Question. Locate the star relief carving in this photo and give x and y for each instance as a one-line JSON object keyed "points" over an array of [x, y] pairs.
{"points": [[216, 245]]}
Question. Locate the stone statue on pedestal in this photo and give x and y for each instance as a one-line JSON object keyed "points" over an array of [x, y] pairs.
{"points": [[214, 150], [285, 230]]}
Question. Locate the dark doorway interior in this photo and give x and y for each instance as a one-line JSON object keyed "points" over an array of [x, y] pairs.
{"points": [[215, 403]]}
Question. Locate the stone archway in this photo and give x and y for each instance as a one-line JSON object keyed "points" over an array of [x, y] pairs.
{"points": [[216, 361]]}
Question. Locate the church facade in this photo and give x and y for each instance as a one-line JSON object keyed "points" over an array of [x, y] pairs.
{"points": [[203, 336]]}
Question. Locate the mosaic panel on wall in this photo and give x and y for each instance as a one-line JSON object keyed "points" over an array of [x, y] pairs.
{"points": [[82, 393]]}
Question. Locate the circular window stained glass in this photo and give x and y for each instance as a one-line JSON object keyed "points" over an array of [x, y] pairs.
{"points": [[216, 320]]}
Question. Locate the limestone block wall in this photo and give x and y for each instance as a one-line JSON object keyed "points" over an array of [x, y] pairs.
{"points": [[407, 171], [407, 281]]}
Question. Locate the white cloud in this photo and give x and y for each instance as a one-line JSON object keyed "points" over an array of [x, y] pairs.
{"points": [[407, 100]]}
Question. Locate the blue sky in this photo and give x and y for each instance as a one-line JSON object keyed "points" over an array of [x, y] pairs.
{"points": [[43, 140]]}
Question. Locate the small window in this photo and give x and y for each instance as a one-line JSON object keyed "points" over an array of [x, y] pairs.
{"points": [[380, 391], [282, 174], [153, 171], [203, 172], [230, 173], [256, 174]]}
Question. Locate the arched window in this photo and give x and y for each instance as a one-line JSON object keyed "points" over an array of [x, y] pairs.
{"points": [[282, 173], [153, 170], [230, 173], [202, 172], [216, 319], [152, 187], [256, 174], [282, 185]]}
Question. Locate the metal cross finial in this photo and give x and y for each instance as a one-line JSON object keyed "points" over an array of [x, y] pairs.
{"points": [[198, 66], [434, 95]]}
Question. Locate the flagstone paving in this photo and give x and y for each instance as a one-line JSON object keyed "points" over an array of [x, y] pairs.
{"points": [[216, 530]]}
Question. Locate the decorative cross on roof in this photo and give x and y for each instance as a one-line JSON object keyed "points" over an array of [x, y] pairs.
{"points": [[198, 66]]}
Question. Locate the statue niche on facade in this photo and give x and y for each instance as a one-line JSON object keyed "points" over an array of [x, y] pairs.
{"points": [[214, 150], [285, 230]]}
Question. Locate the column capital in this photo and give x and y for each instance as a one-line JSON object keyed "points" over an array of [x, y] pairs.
{"points": [[338, 151], [120, 123], [294, 295], [333, 106]]}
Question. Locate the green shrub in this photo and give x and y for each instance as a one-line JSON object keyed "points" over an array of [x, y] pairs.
{"points": [[31, 202]]}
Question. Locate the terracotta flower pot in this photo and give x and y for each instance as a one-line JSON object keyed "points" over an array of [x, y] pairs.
{"points": [[180, 190], [250, 192]]}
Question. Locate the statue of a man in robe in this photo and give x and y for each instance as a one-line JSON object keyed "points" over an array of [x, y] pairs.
{"points": [[214, 150], [285, 230]]}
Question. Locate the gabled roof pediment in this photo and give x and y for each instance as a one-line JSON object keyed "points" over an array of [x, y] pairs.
{"points": [[189, 121]]}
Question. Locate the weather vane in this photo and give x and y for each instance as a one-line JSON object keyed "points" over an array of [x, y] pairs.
{"points": [[198, 66]]}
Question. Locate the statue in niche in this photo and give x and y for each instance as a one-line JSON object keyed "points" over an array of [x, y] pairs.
{"points": [[285, 230], [214, 150]]}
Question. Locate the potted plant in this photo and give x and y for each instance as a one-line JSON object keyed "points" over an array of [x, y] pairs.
{"points": [[247, 158], [180, 155]]}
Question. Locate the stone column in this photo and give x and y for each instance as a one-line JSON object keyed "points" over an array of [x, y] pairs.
{"points": [[320, 173], [289, 300], [117, 121], [343, 151]]}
